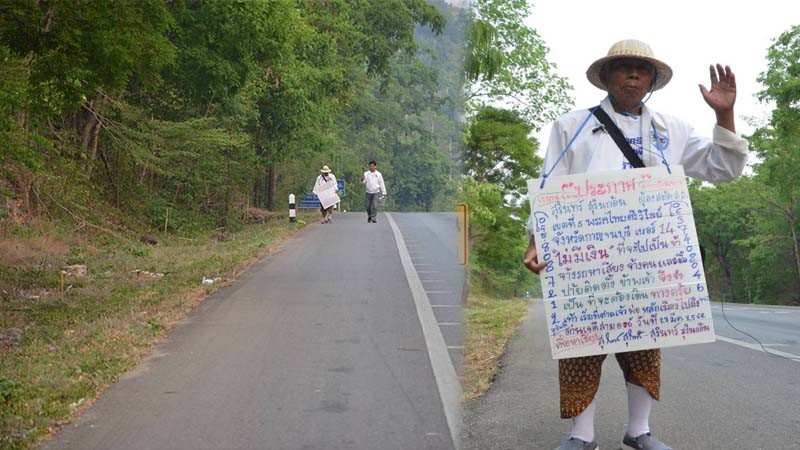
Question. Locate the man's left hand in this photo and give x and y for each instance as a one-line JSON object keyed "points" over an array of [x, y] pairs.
{"points": [[722, 95]]}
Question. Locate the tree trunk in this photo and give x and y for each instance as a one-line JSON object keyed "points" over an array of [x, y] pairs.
{"points": [[726, 269], [91, 121], [793, 225], [97, 127], [23, 116], [222, 218], [260, 188], [111, 179], [48, 19], [272, 185]]}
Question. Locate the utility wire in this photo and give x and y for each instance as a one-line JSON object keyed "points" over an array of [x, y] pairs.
{"points": [[764, 349]]}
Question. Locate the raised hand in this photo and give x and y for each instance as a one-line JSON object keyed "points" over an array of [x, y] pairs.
{"points": [[722, 95]]}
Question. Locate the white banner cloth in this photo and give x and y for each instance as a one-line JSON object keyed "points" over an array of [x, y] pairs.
{"points": [[326, 192]]}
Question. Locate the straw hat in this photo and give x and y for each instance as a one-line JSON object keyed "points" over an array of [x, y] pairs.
{"points": [[630, 48], [325, 169]]}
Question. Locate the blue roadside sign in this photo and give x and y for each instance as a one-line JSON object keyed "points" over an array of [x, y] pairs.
{"points": [[309, 201]]}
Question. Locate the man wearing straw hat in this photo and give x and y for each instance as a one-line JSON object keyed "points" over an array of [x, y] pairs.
{"points": [[325, 182], [581, 142]]}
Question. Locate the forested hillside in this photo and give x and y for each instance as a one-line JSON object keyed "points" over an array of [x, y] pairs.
{"points": [[206, 108]]}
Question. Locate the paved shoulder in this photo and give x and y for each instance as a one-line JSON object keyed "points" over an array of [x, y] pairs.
{"points": [[432, 242]]}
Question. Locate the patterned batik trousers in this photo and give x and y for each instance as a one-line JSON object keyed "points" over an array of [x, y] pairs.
{"points": [[579, 378]]}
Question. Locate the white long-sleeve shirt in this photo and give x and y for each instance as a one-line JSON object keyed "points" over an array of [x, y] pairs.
{"points": [[373, 183], [718, 159], [721, 158]]}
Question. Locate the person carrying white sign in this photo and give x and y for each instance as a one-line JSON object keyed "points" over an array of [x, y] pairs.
{"points": [[580, 142], [326, 189]]}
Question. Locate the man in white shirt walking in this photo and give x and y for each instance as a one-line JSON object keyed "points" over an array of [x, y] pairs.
{"points": [[376, 190]]}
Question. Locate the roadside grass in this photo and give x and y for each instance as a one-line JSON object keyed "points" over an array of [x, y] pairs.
{"points": [[491, 320], [66, 351]]}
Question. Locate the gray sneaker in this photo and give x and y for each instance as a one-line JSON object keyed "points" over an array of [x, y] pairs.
{"points": [[645, 442], [577, 444]]}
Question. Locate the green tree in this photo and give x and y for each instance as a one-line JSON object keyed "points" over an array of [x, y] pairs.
{"points": [[506, 62], [496, 240], [160, 102], [722, 215], [79, 55], [778, 144], [300, 116], [499, 150], [395, 123]]}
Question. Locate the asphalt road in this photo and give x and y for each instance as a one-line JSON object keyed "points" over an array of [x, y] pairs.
{"points": [[776, 327], [319, 346], [717, 396]]}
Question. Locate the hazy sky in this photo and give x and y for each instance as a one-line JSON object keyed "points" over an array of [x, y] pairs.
{"points": [[687, 35]]}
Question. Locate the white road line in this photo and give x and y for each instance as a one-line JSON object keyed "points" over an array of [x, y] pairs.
{"points": [[446, 377], [757, 347], [760, 310]]}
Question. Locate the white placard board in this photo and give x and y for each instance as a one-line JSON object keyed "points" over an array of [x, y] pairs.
{"points": [[625, 271], [326, 192]]}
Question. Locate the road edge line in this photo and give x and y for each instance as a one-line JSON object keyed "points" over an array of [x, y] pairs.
{"points": [[447, 381], [757, 348]]}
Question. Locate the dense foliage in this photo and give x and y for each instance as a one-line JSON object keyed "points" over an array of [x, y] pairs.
{"points": [[206, 107], [506, 64]]}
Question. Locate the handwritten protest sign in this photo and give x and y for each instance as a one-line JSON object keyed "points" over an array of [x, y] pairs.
{"points": [[625, 271], [327, 193]]}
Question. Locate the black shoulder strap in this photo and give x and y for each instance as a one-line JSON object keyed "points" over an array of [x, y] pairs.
{"points": [[619, 139]]}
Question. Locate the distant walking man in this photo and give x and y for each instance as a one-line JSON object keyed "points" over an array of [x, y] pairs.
{"points": [[376, 190]]}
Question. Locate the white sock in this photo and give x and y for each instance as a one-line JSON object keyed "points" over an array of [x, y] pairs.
{"points": [[639, 404], [583, 424]]}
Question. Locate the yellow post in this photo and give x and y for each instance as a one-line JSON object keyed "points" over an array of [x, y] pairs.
{"points": [[463, 228]]}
